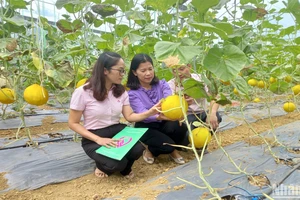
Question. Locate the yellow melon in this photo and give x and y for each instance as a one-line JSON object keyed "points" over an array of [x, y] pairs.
{"points": [[36, 95], [172, 109]]}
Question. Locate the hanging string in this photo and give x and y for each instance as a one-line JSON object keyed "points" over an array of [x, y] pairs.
{"points": [[40, 40]]}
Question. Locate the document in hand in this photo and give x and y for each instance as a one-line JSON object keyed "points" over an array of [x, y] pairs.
{"points": [[126, 140]]}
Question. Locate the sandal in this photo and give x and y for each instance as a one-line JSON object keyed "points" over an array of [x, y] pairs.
{"points": [[148, 160], [178, 160], [130, 175], [100, 174]]}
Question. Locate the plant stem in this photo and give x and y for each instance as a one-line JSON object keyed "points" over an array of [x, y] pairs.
{"points": [[32, 28], [257, 134], [4, 106], [177, 17], [24, 125], [199, 159], [272, 125]]}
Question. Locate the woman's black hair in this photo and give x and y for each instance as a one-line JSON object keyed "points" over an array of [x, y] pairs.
{"points": [[96, 82], [133, 82]]}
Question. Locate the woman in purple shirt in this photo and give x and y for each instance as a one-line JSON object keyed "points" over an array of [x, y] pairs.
{"points": [[146, 90], [101, 101]]}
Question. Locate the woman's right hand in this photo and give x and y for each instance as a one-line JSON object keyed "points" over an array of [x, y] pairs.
{"points": [[161, 116], [189, 99], [107, 142], [155, 109]]}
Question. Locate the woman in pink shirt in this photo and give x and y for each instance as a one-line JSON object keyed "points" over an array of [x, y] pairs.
{"points": [[101, 101]]}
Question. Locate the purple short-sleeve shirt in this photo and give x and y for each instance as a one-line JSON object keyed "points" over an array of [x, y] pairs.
{"points": [[142, 100]]}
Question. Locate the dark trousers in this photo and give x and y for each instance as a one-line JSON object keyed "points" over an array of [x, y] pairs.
{"points": [[162, 132], [106, 164], [195, 118]]}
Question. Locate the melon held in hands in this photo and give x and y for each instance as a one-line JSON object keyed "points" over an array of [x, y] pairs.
{"points": [[172, 109]]}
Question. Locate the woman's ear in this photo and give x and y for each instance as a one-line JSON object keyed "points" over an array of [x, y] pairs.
{"points": [[105, 71], [134, 72]]}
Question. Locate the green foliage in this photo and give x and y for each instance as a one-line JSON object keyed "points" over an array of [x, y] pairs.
{"points": [[204, 27], [225, 62], [18, 4], [293, 7], [223, 100], [104, 10], [256, 45], [194, 88], [161, 5], [68, 27], [60, 3], [203, 5], [164, 49], [241, 85], [279, 87], [15, 20], [123, 4]]}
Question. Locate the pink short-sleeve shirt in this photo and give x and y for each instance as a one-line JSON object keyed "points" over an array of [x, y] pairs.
{"points": [[98, 114], [194, 107]]}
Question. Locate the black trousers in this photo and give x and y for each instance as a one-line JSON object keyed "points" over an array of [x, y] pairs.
{"points": [[106, 164], [162, 132]]}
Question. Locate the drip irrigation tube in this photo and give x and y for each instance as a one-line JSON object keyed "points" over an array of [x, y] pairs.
{"points": [[267, 191], [41, 142]]}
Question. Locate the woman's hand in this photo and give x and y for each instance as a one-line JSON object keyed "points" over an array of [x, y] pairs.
{"points": [[212, 120], [161, 116], [188, 99], [107, 142], [155, 109]]}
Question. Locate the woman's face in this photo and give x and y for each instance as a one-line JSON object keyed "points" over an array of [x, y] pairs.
{"points": [[116, 72], [182, 72], [145, 73]]}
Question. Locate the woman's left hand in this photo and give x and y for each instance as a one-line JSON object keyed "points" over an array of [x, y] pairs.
{"points": [[213, 121]]}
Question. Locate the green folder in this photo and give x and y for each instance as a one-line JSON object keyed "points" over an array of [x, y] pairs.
{"points": [[127, 139]]}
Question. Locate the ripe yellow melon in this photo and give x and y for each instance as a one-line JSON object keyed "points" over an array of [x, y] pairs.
{"points": [[261, 84], [81, 82], [289, 107], [201, 136], [252, 82], [36, 95], [171, 107], [7, 96], [288, 78], [235, 91], [296, 89], [272, 80], [256, 100], [225, 82]]}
